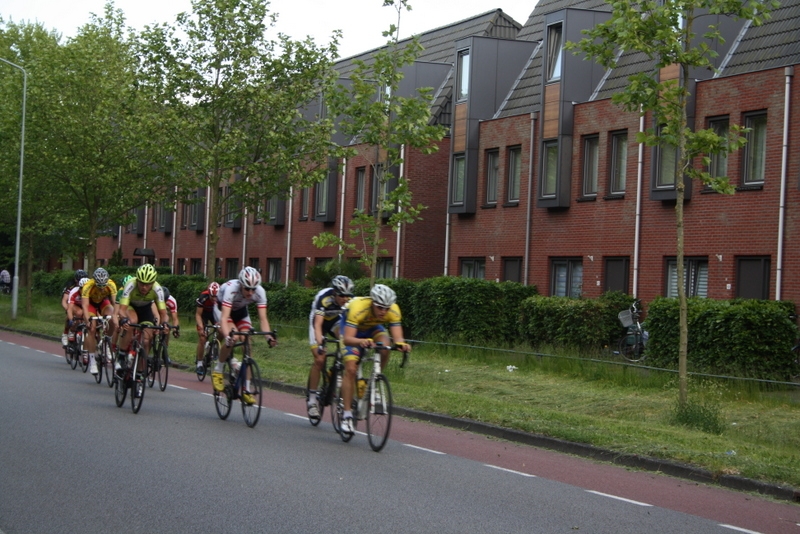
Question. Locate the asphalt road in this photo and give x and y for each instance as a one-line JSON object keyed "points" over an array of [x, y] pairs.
{"points": [[71, 461]]}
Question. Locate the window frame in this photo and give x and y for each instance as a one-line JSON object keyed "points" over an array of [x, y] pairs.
{"points": [[591, 165], [274, 270], [361, 191], [384, 268], [693, 271], [618, 163], [492, 175], [473, 267], [572, 267], [718, 162], [513, 174], [555, 58], [756, 146], [458, 193], [549, 170], [462, 76]]}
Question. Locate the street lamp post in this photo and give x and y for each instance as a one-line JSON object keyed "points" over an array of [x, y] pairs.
{"points": [[15, 286]]}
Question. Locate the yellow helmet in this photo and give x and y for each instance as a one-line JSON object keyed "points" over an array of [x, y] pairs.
{"points": [[146, 274]]}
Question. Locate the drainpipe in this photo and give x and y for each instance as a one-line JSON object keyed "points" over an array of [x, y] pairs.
{"points": [[244, 237], [289, 234], [144, 234], [788, 73], [341, 204], [399, 227], [637, 233], [205, 236], [173, 252], [526, 261], [447, 214]]}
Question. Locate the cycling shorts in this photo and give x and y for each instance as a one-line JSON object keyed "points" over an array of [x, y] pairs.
{"points": [[327, 327], [354, 353], [96, 309]]}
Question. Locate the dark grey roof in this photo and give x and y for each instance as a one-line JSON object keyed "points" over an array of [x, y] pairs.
{"points": [[776, 43]]}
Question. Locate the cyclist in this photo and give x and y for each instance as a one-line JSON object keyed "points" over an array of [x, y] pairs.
{"points": [[115, 337], [80, 274], [363, 321], [326, 312], [98, 295], [5, 281], [204, 316], [172, 310], [135, 306], [231, 313], [74, 307]]}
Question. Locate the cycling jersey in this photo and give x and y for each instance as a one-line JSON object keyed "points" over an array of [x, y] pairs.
{"points": [[230, 296], [75, 296], [205, 301], [131, 296], [96, 294], [172, 305], [358, 314], [325, 305]]}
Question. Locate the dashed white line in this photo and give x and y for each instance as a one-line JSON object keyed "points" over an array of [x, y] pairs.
{"points": [[423, 448], [295, 415], [619, 498], [510, 471], [177, 387], [740, 529]]}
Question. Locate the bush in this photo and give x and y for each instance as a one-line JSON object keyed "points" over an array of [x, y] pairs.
{"points": [[289, 303], [567, 322]]}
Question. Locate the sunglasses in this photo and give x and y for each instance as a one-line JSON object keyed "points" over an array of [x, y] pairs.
{"points": [[382, 308]]}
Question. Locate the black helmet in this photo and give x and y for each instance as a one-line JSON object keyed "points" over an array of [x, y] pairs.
{"points": [[165, 291], [80, 273]]}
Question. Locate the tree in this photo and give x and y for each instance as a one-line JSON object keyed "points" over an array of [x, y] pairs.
{"points": [[665, 32], [232, 103], [382, 122]]}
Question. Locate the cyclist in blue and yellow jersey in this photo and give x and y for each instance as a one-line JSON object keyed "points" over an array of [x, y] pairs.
{"points": [[326, 312], [135, 306], [364, 319], [98, 296], [80, 274], [231, 314]]}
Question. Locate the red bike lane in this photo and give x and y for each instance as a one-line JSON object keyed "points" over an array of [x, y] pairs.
{"points": [[740, 511]]}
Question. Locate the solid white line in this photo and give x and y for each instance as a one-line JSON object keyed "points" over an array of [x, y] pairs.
{"points": [[510, 471], [739, 529], [208, 394], [619, 498], [177, 387], [295, 415], [423, 449]]}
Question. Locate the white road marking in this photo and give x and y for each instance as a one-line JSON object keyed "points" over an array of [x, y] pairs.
{"points": [[177, 387], [739, 529], [619, 498], [510, 471], [295, 415], [423, 449]]}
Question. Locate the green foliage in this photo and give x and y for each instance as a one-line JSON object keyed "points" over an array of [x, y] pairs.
{"points": [[116, 258], [568, 322], [321, 275], [289, 303], [739, 337], [705, 416]]}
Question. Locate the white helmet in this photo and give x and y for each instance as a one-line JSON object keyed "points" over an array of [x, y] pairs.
{"points": [[383, 296], [250, 278], [342, 286]]}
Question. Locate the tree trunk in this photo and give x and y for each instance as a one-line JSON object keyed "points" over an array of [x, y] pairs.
{"points": [[213, 234]]}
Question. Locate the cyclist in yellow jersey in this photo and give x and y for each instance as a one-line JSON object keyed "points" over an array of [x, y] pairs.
{"points": [[135, 306], [98, 297], [363, 321]]}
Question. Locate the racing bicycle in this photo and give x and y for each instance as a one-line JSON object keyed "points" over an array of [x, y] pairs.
{"points": [[130, 376], [210, 351], [158, 361], [330, 380]]}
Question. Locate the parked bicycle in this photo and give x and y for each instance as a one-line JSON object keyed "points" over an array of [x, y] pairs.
{"points": [[210, 352], [235, 372], [158, 362], [104, 357], [372, 400], [330, 379], [633, 343], [133, 373]]}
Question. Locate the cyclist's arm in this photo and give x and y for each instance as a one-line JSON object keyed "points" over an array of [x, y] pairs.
{"points": [[198, 319], [349, 337], [264, 322], [318, 320], [397, 337], [224, 321], [65, 301]]}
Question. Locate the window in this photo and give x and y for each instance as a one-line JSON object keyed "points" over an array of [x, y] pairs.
{"points": [[163, 262], [459, 179], [695, 275], [271, 208], [514, 173], [181, 265], [274, 270], [718, 167], [619, 162], [157, 220], [755, 149], [462, 90], [512, 269], [321, 203], [137, 262], [550, 171], [616, 275], [197, 266], [361, 188], [752, 277], [554, 52], [380, 190], [666, 165], [591, 157], [255, 264], [300, 270], [384, 268], [473, 268], [304, 204], [218, 267], [492, 168], [567, 278]]}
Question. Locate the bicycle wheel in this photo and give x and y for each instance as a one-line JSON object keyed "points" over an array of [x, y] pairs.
{"points": [[379, 414], [73, 354], [68, 353], [151, 371], [222, 399], [138, 383], [251, 412], [83, 363], [121, 389], [162, 368], [337, 404], [631, 347], [322, 388], [108, 361], [98, 361]]}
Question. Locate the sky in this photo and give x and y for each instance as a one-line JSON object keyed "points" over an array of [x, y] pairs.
{"points": [[361, 21]]}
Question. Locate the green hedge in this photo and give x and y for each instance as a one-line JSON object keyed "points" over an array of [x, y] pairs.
{"points": [[750, 338], [568, 322]]}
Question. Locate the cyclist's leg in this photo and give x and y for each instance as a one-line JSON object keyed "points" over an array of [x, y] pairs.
{"points": [[91, 340], [380, 335]]}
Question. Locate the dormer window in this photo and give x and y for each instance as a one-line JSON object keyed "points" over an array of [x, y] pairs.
{"points": [[463, 75], [555, 51]]}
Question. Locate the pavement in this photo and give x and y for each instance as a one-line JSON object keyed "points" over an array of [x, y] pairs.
{"points": [[645, 463]]}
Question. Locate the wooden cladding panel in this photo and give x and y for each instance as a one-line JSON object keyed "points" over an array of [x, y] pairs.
{"points": [[460, 128], [552, 107], [670, 72]]}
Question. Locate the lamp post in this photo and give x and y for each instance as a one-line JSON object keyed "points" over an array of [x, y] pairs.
{"points": [[15, 284]]}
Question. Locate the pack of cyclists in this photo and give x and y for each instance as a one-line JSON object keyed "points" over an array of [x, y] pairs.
{"points": [[356, 322]]}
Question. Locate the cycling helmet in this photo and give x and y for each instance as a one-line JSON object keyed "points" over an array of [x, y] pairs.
{"points": [[383, 296], [127, 279], [342, 286], [165, 291], [213, 289], [146, 274], [250, 278], [80, 274], [83, 281], [100, 277]]}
